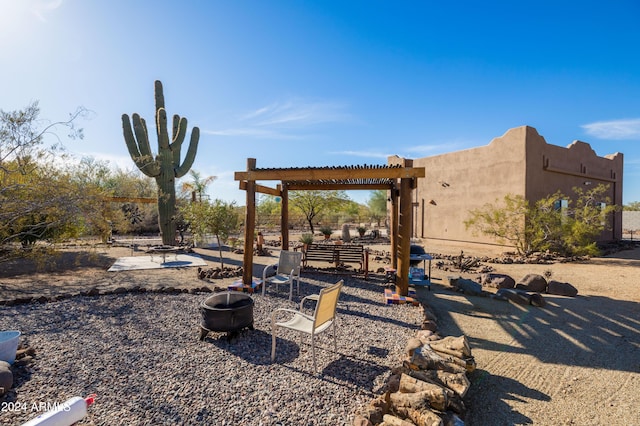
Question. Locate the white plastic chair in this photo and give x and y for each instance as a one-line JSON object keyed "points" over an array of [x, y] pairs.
{"points": [[323, 317], [287, 271]]}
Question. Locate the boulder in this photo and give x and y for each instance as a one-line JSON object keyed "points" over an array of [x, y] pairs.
{"points": [[515, 295], [497, 281], [533, 282], [6, 379], [412, 344], [520, 297], [361, 421], [429, 325], [346, 234], [561, 289], [469, 287], [427, 336], [537, 300], [453, 281]]}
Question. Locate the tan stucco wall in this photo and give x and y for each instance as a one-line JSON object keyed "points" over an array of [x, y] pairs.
{"points": [[553, 168], [460, 181], [514, 163]]}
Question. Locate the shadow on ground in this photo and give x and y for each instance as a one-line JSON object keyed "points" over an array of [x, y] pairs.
{"points": [[593, 331]]}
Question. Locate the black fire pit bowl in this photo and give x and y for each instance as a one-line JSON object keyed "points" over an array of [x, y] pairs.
{"points": [[227, 312]]}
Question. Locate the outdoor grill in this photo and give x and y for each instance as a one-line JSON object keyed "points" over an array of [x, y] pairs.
{"points": [[226, 312], [416, 254]]}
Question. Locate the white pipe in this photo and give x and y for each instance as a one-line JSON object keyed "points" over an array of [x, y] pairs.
{"points": [[69, 412]]}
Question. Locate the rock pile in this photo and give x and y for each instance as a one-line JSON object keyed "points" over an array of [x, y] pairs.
{"points": [[527, 291], [219, 273], [429, 386], [11, 375], [466, 263], [529, 283], [119, 290]]}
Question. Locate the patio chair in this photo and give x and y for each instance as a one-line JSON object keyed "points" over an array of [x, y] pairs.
{"points": [[287, 271], [323, 317]]}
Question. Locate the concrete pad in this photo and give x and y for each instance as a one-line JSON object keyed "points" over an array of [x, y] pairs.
{"points": [[156, 262]]}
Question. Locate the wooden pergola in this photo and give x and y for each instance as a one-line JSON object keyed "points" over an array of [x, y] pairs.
{"points": [[399, 180]]}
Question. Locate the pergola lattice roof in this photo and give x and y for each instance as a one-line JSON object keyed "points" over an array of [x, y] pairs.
{"points": [[335, 177]]}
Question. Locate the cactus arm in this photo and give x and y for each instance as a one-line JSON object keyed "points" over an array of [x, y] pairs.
{"points": [[145, 160], [178, 138], [129, 139], [159, 95], [191, 153], [144, 163], [140, 128], [161, 129], [176, 126]]}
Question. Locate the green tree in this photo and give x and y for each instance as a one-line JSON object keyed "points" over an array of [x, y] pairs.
{"points": [[22, 135], [503, 221], [198, 184], [342, 212], [38, 199], [556, 222], [588, 216], [218, 218], [377, 204], [315, 202], [268, 212], [90, 172]]}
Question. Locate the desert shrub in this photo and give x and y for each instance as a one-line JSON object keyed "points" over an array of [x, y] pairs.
{"points": [[556, 223]]}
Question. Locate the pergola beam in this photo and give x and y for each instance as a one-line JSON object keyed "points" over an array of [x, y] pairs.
{"points": [[262, 189], [320, 174], [338, 186]]}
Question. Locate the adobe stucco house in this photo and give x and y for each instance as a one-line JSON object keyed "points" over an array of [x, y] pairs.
{"points": [[520, 162]]}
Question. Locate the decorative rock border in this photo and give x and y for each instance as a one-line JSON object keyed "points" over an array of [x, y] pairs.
{"points": [[429, 386], [119, 290]]}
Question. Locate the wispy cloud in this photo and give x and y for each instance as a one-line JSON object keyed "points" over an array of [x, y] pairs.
{"points": [[365, 154], [252, 133], [437, 148], [41, 7], [614, 129], [298, 112], [409, 152], [289, 119]]}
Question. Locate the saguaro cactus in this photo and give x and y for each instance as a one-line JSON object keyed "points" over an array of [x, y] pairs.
{"points": [[166, 166]]}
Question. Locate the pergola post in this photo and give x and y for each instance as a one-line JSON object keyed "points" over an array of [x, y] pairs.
{"points": [[404, 237], [249, 226], [284, 217], [393, 228]]}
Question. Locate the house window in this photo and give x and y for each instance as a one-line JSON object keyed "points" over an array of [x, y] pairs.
{"points": [[562, 206]]}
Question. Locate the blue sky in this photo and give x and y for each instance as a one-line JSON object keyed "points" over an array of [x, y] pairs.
{"points": [[316, 83]]}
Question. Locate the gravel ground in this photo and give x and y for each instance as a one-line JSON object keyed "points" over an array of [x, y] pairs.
{"points": [[141, 355]]}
